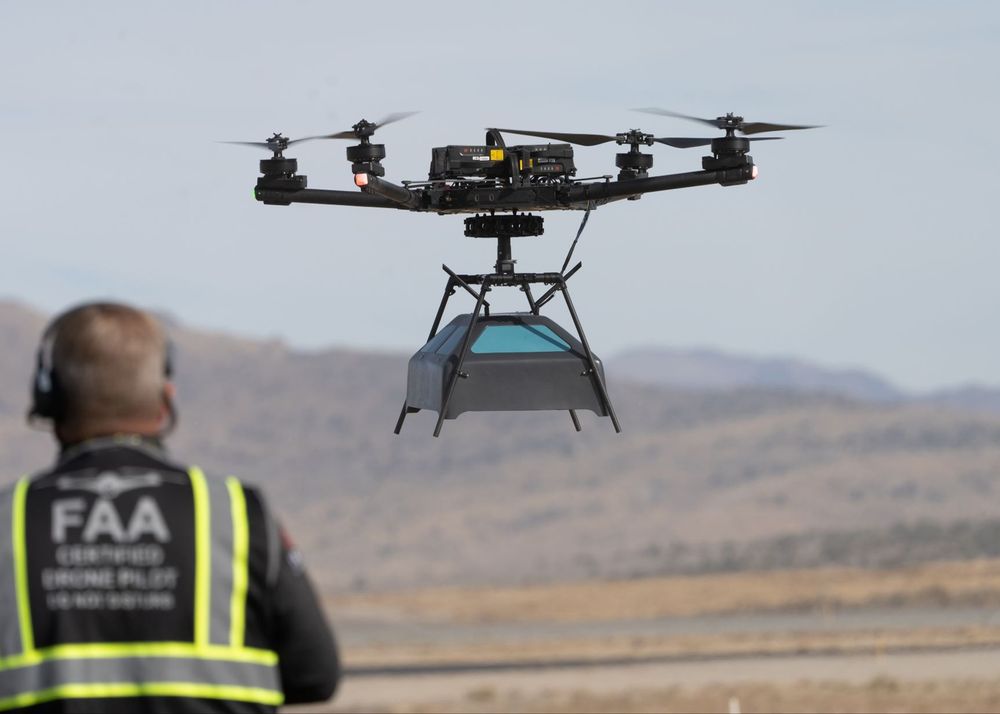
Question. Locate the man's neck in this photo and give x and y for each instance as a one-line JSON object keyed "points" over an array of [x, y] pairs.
{"points": [[143, 441]]}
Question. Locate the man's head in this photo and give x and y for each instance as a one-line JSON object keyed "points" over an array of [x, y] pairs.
{"points": [[103, 368]]}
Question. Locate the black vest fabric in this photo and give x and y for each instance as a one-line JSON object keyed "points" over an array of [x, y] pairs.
{"points": [[131, 583]]}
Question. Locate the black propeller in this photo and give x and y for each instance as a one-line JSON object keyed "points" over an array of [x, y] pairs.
{"points": [[364, 129], [581, 139], [678, 142], [731, 122], [276, 143]]}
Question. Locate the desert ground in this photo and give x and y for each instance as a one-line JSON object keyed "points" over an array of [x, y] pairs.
{"points": [[924, 638]]}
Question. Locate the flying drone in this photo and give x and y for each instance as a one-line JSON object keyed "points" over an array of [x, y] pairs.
{"points": [[515, 361]]}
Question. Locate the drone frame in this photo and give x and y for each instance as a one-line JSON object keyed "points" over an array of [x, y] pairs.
{"points": [[284, 188], [280, 184], [518, 190]]}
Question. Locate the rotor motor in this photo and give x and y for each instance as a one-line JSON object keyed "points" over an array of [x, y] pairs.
{"points": [[728, 152], [633, 164], [279, 167], [279, 172], [365, 158]]}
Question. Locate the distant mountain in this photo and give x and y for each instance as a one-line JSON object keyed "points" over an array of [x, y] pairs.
{"points": [[712, 369], [970, 398], [522, 497], [706, 369]]}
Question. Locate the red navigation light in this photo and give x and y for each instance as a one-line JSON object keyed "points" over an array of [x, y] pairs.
{"points": [[361, 180], [753, 172]]}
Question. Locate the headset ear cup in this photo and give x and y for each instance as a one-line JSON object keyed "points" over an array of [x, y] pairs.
{"points": [[43, 394], [168, 360], [46, 396]]}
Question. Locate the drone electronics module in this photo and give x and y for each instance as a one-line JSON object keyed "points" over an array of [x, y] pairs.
{"points": [[514, 361]]}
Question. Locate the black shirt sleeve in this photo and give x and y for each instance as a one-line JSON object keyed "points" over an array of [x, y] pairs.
{"points": [[290, 620], [307, 651]]}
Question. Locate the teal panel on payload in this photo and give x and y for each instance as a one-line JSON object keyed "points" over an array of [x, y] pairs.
{"points": [[496, 339]]}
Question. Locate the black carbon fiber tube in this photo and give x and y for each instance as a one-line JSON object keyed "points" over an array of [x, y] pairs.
{"points": [[400, 195], [619, 189], [323, 196]]}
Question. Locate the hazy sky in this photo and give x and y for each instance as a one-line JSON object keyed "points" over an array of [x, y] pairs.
{"points": [[869, 243]]}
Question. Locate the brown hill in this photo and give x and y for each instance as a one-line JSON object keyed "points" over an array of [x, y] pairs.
{"points": [[713, 369], [707, 369], [522, 497]]}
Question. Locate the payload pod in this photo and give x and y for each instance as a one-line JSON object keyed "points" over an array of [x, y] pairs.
{"points": [[513, 362]]}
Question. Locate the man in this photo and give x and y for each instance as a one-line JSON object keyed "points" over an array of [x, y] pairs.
{"points": [[131, 583]]}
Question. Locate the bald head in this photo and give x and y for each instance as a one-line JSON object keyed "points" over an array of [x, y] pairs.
{"points": [[109, 361]]}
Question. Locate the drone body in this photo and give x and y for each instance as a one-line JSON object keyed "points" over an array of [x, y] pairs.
{"points": [[494, 177], [492, 180], [538, 164]]}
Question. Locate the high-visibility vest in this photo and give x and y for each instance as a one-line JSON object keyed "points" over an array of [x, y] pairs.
{"points": [[214, 664]]}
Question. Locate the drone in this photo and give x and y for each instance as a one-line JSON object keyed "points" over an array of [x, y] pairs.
{"points": [[520, 361]]}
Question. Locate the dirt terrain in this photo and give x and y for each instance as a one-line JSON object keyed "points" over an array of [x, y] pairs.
{"points": [[914, 639], [942, 584], [930, 682]]}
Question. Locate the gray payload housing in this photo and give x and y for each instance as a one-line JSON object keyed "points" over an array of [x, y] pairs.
{"points": [[515, 362]]}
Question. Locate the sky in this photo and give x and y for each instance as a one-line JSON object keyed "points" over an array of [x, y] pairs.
{"points": [[869, 243]]}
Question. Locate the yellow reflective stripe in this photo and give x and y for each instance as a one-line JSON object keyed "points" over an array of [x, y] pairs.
{"points": [[21, 566], [102, 650], [241, 550], [202, 556], [144, 689]]}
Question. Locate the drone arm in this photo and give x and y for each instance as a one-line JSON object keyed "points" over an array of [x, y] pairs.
{"points": [[378, 193], [284, 197], [621, 189], [400, 196]]}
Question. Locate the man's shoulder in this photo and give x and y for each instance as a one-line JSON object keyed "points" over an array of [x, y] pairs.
{"points": [[7, 489], [221, 482], [223, 478], [11, 482]]}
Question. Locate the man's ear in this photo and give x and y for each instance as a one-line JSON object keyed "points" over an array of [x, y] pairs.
{"points": [[169, 412]]}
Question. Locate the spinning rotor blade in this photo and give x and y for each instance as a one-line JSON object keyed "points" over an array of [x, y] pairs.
{"points": [[756, 127], [594, 139], [668, 113], [679, 142], [269, 145], [394, 117], [722, 123], [581, 139], [338, 135], [261, 144], [375, 126]]}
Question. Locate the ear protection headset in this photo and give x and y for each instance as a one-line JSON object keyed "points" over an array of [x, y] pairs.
{"points": [[47, 398]]}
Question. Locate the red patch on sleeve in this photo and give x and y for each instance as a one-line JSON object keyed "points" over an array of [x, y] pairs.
{"points": [[286, 540]]}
